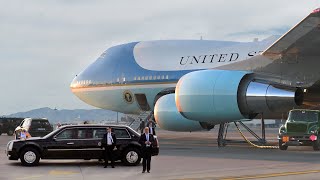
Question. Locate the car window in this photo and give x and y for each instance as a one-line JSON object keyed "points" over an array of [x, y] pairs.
{"points": [[26, 123], [99, 132], [21, 123], [40, 124], [84, 133], [121, 133], [67, 134]]}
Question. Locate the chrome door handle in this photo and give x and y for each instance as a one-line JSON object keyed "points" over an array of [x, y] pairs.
{"points": [[70, 143]]}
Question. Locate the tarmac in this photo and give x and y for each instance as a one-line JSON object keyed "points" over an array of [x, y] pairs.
{"points": [[183, 156]]}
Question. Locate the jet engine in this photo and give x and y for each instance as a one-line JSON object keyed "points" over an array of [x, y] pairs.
{"points": [[168, 117], [224, 96]]}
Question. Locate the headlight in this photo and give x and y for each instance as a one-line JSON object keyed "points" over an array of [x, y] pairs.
{"points": [[282, 131], [10, 146]]}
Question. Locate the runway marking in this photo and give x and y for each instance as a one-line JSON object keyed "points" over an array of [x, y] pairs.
{"points": [[58, 172], [30, 177], [271, 175]]}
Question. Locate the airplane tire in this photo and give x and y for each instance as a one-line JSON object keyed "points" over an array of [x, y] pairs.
{"points": [[282, 147]]}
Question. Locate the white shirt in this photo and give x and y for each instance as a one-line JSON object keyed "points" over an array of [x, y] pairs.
{"points": [[109, 139], [147, 138], [150, 128]]}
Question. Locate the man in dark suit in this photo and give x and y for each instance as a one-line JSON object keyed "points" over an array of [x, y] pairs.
{"points": [[109, 141], [146, 140]]}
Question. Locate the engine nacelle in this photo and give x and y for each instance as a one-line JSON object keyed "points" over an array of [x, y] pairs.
{"points": [[168, 117], [223, 96]]}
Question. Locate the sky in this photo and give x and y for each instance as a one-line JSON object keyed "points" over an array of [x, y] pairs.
{"points": [[45, 44]]}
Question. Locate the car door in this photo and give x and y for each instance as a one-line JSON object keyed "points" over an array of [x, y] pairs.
{"points": [[123, 138], [64, 145], [93, 148]]}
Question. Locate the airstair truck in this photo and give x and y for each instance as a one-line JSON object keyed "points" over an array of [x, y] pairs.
{"points": [[301, 129]]}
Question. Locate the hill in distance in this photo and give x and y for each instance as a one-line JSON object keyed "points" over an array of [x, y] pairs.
{"points": [[65, 115]]}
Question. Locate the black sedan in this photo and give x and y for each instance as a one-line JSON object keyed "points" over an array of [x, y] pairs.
{"points": [[78, 142]]}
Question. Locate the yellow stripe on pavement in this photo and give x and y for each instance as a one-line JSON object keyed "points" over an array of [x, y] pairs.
{"points": [[271, 175]]}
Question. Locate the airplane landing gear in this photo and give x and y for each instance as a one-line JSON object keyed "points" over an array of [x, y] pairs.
{"points": [[223, 130]]}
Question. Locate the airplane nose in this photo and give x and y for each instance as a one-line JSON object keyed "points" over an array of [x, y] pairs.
{"points": [[79, 82]]}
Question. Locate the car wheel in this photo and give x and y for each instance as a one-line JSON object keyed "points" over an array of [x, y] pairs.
{"points": [[29, 157], [10, 132], [131, 157], [316, 145], [281, 146]]}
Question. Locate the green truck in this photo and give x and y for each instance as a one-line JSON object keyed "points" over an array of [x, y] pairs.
{"points": [[300, 129]]}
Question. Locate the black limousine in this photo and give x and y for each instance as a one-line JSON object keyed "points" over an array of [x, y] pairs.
{"points": [[78, 142]]}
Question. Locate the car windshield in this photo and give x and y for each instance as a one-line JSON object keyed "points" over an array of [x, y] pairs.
{"points": [[307, 116]]}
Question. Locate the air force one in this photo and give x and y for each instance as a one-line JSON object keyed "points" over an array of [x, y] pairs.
{"points": [[193, 85]]}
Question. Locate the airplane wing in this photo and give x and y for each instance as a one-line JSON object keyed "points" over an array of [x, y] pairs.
{"points": [[302, 40]]}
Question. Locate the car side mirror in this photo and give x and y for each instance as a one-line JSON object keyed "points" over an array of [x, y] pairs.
{"points": [[54, 138]]}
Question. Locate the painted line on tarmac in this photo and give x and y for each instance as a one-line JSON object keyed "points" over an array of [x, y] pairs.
{"points": [[58, 172], [270, 175], [30, 177]]}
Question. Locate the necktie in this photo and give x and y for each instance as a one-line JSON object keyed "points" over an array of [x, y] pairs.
{"points": [[110, 138]]}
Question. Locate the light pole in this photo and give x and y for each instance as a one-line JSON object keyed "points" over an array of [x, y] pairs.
{"points": [[117, 118]]}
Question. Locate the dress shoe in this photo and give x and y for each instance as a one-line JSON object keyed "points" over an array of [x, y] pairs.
{"points": [[148, 171], [105, 166], [112, 166], [143, 171]]}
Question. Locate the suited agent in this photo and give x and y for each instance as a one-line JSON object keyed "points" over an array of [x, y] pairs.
{"points": [[151, 124], [146, 140], [110, 141]]}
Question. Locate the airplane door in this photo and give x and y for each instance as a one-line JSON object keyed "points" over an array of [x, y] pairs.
{"points": [[142, 101]]}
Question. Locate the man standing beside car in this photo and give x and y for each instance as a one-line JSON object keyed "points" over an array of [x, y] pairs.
{"points": [[110, 141], [146, 140]]}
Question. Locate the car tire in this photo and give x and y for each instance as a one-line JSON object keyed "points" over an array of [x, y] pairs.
{"points": [[29, 156], [316, 145], [282, 147], [131, 157], [10, 132]]}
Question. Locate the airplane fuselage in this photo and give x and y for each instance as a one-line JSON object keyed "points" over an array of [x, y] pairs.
{"points": [[147, 68]]}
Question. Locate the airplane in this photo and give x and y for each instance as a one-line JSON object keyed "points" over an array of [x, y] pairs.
{"points": [[192, 85]]}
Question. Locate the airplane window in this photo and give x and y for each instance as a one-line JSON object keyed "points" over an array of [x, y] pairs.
{"points": [[162, 77], [158, 77], [167, 77], [142, 78], [146, 78], [154, 77]]}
